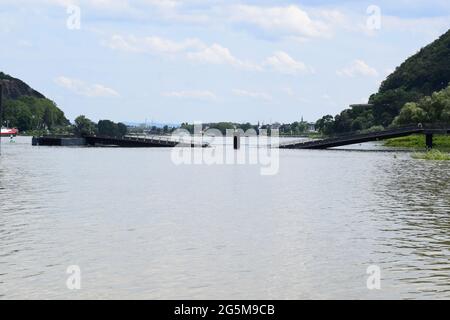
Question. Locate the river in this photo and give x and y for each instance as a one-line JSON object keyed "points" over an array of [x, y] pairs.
{"points": [[139, 226]]}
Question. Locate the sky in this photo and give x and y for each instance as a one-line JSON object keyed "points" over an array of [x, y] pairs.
{"points": [[175, 61]]}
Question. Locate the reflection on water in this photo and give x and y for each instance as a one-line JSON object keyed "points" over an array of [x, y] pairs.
{"points": [[141, 227]]}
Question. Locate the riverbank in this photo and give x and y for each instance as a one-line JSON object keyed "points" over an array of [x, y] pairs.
{"points": [[435, 155], [440, 142]]}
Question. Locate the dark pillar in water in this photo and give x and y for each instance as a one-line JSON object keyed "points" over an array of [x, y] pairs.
{"points": [[236, 141], [429, 140]]}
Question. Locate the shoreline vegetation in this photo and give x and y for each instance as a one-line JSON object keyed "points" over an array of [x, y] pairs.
{"points": [[417, 141], [440, 152], [434, 155]]}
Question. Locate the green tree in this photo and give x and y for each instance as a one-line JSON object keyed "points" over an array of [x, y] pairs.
{"points": [[122, 129], [84, 127], [411, 113], [246, 126], [31, 113], [432, 109], [222, 126], [325, 125], [107, 128], [24, 119]]}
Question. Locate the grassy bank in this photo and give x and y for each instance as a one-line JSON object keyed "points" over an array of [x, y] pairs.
{"points": [[432, 155], [440, 142]]}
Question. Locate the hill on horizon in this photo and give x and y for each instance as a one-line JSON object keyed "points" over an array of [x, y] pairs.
{"points": [[14, 88], [27, 109], [420, 75]]}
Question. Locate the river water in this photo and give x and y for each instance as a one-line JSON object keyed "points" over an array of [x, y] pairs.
{"points": [[139, 226]]}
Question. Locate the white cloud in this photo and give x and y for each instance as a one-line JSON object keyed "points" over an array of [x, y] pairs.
{"points": [[193, 49], [358, 68], [331, 17], [216, 54], [191, 94], [291, 21], [104, 7], [287, 21], [284, 63], [152, 44], [141, 10], [88, 90], [252, 94], [197, 51]]}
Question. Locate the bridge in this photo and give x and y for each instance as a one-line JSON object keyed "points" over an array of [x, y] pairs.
{"points": [[356, 138], [125, 142], [141, 142], [168, 142]]}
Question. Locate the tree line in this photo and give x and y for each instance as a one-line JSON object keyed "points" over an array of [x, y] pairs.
{"points": [[428, 109], [86, 127], [294, 128], [30, 113]]}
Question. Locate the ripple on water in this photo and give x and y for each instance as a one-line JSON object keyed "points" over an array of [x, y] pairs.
{"points": [[141, 227]]}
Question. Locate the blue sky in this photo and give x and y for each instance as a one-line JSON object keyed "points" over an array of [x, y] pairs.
{"points": [[195, 60]]}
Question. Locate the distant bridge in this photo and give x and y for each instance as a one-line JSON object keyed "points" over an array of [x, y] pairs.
{"points": [[125, 142], [356, 138], [140, 142]]}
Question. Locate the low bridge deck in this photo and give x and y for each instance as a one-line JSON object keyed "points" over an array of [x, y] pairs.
{"points": [[125, 142], [365, 137], [140, 142]]}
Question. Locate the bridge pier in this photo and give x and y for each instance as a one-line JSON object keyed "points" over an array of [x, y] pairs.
{"points": [[429, 141], [236, 140]]}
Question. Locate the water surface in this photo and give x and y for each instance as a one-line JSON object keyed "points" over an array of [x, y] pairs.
{"points": [[141, 227]]}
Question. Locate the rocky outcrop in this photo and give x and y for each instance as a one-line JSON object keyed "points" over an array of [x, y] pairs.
{"points": [[15, 88]]}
